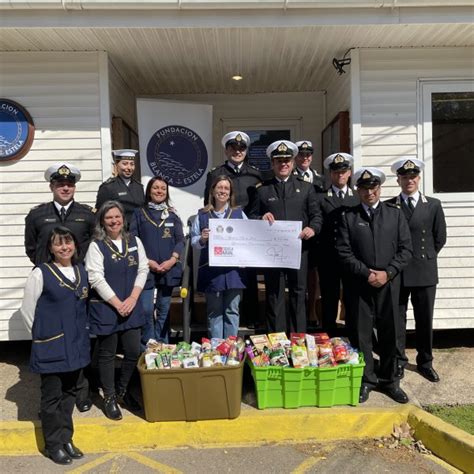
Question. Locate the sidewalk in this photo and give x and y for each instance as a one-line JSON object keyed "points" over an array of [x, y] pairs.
{"points": [[19, 404]]}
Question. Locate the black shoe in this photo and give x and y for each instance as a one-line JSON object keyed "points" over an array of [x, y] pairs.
{"points": [[60, 456], [400, 373], [364, 393], [73, 451], [128, 401], [111, 409], [395, 393], [84, 405], [428, 373]]}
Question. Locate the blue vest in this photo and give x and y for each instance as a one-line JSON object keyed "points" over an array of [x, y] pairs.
{"points": [[214, 279], [120, 271], [60, 336], [160, 239]]}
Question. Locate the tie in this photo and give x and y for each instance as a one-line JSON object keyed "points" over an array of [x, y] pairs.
{"points": [[371, 213], [62, 214], [340, 195], [281, 189], [237, 170], [410, 204]]}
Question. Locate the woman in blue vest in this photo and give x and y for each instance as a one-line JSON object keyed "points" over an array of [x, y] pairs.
{"points": [[161, 232], [55, 311], [118, 268], [222, 285]]}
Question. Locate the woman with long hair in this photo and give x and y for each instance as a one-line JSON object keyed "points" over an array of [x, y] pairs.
{"points": [[118, 269], [55, 311], [222, 285], [161, 231]]}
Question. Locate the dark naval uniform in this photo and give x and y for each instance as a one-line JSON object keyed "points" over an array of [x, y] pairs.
{"points": [[131, 196], [419, 279], [60, 348], [317, 181], [383, 243], [243, 181], [42, 219], [330, 273], [294, 201]]}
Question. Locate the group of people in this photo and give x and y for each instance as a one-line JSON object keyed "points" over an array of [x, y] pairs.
{"points": [[111, 273]]}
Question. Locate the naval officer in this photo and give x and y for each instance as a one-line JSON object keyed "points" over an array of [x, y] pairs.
{"points": [[303, 169], [123, 188], [419, 279], [374, 245], [337, 198], [287, 197], [244, 176]]}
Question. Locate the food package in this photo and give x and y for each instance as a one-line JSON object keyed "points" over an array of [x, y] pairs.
{"points": [[298, 338], [277, 339], [339, 350], [299, 356], [260, 341], [150, 360], [278, 358], [312, 350], [321, 338], [234, 357], [326, 358]]}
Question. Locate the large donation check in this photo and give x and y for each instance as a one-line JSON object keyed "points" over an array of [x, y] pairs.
{"points": [[252, 243]]}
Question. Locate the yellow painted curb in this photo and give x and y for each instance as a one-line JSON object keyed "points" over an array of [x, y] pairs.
{"points": [[453, 445], [249, 429]]}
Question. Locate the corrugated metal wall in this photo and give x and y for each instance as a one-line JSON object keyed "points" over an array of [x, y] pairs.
{"points": [[61, 91], [389, 101]]}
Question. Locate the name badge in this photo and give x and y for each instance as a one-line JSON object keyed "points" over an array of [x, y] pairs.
{"points": [[169, 224], [363, 224], [123, 193], [79, 220], [50, 220], [272, 199], [131, 249]]}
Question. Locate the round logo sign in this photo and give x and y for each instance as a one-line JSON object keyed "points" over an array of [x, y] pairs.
{"points": [[178, 155], [16, 130]]}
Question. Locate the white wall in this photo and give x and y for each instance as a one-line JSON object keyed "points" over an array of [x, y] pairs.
{"points": [[338, 95], [388, 88], [62, 93]]}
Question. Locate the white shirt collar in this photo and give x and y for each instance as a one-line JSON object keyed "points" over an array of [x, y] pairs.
{"points": [[126, 181], [366, 208], [282, 180], [66, 206], [336, 190], [234, 167], [415, 197]]}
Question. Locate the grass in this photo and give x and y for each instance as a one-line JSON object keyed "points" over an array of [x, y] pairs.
{"points": [[461, 416]]}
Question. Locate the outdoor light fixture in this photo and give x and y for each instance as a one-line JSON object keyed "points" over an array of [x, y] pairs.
{"points": [[237, 77], [340, 63]]}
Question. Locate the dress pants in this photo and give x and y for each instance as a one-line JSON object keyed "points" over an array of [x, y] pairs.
{"points": [[422, 300], [130, 340], [330, 284], [58, 394], [376, 308], [276, 280]]}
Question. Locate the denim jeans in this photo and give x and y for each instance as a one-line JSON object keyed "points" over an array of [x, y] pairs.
{"points": [[156, 327], [223, 313]]}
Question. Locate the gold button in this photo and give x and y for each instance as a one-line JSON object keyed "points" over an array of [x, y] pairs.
{"points": [[422, 256]]}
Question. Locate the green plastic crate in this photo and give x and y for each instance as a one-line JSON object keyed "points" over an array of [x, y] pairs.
{"points": [[287, 387]]}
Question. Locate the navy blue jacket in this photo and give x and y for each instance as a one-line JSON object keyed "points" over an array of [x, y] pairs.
{"points": [[214, 279], [120, 271], [60, 336], [160, 238]]}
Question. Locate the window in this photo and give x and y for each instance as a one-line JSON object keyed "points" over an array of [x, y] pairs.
{"points": [[447, 144]]}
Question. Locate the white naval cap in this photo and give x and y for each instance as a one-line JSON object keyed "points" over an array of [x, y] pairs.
{"points": [[282, 149], [304, 146], [63, 170], [338, 161], [368, 177], [235, 138], [124, 154], [407, 166]]}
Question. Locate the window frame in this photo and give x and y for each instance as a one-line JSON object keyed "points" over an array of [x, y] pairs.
{"points": [[425, 131]]}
